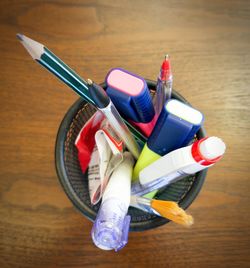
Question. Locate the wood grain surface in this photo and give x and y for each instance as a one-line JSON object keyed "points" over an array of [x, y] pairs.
{"points": [[209, 45]]}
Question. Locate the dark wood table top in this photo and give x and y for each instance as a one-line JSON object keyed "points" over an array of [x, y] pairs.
{"points": [[209, 45]]}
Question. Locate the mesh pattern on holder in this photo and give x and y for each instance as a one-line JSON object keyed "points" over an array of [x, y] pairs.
{"points": [[75, 183]]}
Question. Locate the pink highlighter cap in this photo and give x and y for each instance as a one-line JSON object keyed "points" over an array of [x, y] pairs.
{"points": [[130, 95], [128, 84]]}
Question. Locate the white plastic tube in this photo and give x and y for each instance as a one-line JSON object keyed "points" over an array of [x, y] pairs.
{"points": [[179, 163], [111, 227]]}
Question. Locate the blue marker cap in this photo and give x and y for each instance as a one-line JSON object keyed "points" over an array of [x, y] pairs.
{"points": [[175, 127], [130, 95]]}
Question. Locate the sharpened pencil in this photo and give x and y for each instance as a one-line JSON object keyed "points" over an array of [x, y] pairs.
{"points": [[56, 66]]}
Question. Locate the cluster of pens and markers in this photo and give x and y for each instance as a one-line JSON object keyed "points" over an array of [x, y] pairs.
{"points": [[132, 138], [119, 157]]}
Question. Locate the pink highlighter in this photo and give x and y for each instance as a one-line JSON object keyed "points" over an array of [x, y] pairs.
{"points": [[131, 97]]}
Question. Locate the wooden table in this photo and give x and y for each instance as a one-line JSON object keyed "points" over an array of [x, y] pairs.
{"points": [[209, 44]]}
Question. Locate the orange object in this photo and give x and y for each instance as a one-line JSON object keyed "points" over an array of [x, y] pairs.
{"points": [[172, 211]]}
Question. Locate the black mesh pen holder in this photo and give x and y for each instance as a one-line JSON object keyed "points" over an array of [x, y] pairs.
{"points": [[75, 183]]}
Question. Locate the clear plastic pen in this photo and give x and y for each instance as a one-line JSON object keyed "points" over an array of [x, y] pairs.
{"points": [[164, 85], [105, 105]]}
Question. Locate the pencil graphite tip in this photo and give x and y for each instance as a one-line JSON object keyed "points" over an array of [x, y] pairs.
{"points": [[19, 36], [34, 48]]}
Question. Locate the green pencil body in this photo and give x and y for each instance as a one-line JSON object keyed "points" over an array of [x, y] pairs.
{"points": [[51, 62], [56, 66]]}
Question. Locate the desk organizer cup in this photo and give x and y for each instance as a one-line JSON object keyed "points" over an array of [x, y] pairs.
{"points": [[75, 183]]}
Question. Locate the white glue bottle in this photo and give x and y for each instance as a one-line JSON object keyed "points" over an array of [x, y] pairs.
{"points": [[179, 163], [111, 226]]}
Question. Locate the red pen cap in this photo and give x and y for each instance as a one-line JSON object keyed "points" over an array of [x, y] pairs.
{"points": [[208, 151], [166, 69]]}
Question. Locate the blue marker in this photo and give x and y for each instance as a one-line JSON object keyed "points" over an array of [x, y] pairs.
{"points": [[175, 128], [131, 97]]}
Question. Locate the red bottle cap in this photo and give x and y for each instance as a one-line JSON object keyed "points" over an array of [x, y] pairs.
{"points": [[202, 152]]}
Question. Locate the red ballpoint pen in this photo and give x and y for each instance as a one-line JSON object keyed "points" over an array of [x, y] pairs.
{"points": [[164, 85]]}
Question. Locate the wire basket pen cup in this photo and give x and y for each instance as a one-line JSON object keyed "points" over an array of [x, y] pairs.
{"points": [[75, 183]]}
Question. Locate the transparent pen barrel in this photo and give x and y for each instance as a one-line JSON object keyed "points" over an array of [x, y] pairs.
{"points": [[160, 96], [122, 130], [138, 189], [168, 89], [163, 93]]}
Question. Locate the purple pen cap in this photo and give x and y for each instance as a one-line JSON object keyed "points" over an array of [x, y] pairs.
{"points": [[111, 226]]}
